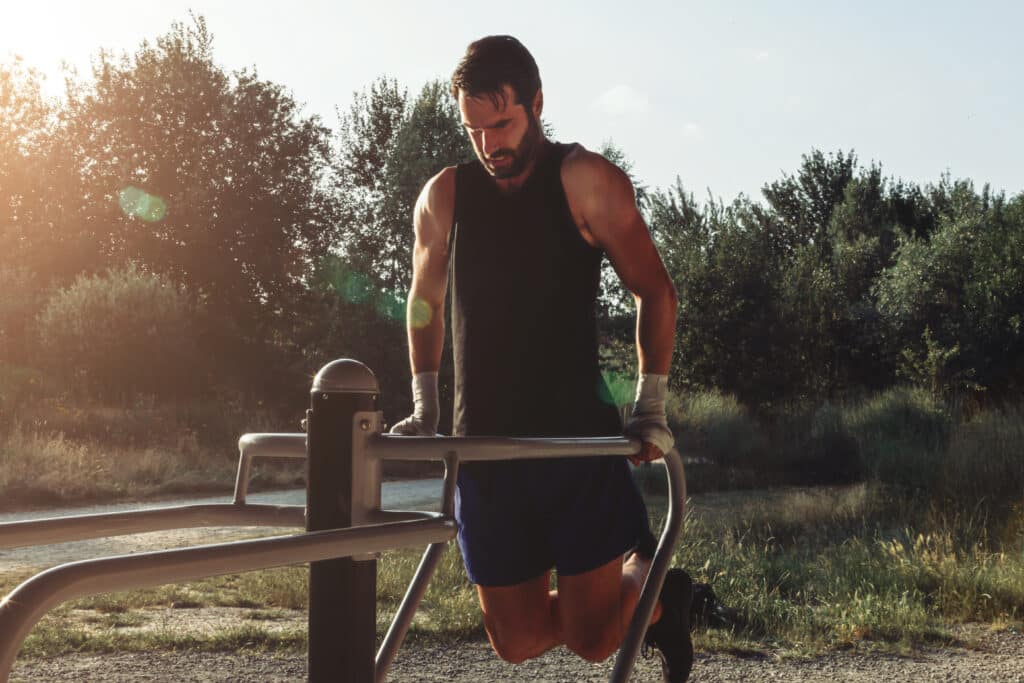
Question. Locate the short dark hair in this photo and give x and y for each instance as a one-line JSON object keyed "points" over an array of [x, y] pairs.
{"points": [[493, 62]]}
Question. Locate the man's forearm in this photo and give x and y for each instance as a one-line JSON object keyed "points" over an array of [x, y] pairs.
{"points": [[656, 330], [426, 335]]}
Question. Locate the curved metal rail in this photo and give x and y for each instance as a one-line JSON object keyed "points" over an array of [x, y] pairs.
{"points": [[27, 603], [466, 449], [62, 529]]}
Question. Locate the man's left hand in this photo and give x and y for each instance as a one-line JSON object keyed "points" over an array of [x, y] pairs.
{"points": [[655, 434], [648, 453], [648, 422]]}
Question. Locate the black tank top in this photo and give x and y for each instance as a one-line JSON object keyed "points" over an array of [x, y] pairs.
{"points": [[524, 327]]}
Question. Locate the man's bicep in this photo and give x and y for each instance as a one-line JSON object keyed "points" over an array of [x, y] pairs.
{"points": [[432, 224]]}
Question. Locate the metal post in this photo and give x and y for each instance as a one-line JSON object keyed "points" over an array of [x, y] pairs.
{"points": [[342, 592]]}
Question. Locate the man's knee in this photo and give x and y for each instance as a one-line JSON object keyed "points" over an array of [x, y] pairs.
{"points": [[593, 644], [512, 645]]}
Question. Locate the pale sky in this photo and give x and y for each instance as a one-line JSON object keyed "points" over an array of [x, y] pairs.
{"points": [[725, 95]]}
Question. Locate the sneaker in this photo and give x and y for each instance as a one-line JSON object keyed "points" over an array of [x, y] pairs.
{"points": [[671, 633]]}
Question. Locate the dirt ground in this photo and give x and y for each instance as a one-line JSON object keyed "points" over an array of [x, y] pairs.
{"points": [[994, 656]]}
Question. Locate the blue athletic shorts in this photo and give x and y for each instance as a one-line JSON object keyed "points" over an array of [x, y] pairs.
{"points": [[518, 519]]}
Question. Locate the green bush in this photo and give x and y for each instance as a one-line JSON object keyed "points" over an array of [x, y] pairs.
{"points": [[121, 334], [902, 435], [715, 426]]}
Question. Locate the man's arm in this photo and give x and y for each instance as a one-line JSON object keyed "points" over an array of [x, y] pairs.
{"points": [[603, 203], [432, 222]]}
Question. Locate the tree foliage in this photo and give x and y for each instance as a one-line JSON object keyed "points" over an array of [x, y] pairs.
{"points": [[207, 201]]}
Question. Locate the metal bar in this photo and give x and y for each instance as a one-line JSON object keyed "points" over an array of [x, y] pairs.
{"points": [[27, 603], [418, 586], [659, 568], [272, 445], [62, 529], [490, 448], [385, 516], [407, 610]]}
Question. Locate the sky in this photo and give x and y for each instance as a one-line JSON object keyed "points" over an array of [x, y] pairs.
{"points": [[725, 96]]}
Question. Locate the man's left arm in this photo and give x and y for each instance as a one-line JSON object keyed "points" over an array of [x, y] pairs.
{"points": [[603, 199]]}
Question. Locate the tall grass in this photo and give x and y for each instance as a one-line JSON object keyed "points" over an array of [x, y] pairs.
{"points": [[53, 455], [50, 468], [901, 438], [835, 570]]}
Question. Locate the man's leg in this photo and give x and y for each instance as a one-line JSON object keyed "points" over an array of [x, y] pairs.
{"points": [[522, 620], [595, 607], [589, 613]]}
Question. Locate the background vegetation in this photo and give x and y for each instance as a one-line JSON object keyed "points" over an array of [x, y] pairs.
{"points": [[181, 241], [181, 248]]}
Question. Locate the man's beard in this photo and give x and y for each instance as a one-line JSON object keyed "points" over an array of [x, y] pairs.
{"points": [[521, 155]]}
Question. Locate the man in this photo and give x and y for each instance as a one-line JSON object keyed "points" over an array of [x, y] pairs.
{"points": [[523, 232]]}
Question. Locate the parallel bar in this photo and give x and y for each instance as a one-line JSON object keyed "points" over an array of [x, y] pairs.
{"points": [[272, 445], [62, 529], [27, 603], [659, 568], [491, 448]]}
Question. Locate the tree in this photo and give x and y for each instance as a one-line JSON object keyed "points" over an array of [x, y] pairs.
{"points": [[804, 203], [211, 179], [955, 301], [364, 148], [28, 195]]}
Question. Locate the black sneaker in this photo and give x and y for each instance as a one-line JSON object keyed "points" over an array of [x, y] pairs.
{"points": [[671, 633]]}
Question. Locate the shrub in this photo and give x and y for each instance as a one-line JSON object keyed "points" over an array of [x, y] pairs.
{"points": [[716, 426], [123, 333], [902, 435]]}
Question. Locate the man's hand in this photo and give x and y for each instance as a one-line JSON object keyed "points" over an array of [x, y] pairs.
{"points": [[425, 415], [648, 422]]}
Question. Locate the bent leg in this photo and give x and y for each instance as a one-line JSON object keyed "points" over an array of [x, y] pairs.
{"points": [[595, 607], [522, 620]]}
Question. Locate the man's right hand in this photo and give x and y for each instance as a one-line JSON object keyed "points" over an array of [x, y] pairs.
{"points": [[426, 414]]}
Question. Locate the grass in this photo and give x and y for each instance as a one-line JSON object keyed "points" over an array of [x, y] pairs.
{"points": [[805, 571], [853, 568], [43, 467]]}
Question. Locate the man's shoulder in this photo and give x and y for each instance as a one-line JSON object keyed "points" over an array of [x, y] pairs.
{"points": [[438, 195], [587, 174], [580, 161]]}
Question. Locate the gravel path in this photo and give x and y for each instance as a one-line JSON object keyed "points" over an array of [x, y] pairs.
{"points": [[994, 656]]}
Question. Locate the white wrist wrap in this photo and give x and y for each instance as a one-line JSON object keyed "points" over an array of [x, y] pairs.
{"points": [[648, 421], [424, 397], [425, 411]]}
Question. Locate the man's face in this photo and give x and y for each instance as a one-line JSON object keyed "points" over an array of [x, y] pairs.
{"points": [[504, 134]]}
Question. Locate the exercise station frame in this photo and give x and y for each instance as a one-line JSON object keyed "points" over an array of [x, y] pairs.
{"points": [[344, 445]]}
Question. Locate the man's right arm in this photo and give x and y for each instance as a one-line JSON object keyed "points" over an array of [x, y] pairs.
{"points": [[432, 222]]}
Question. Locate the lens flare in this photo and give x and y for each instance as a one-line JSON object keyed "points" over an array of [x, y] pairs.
{"points": [[420, 313], [142, 205], [615, 390], [391, 306], [356, 288]]}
